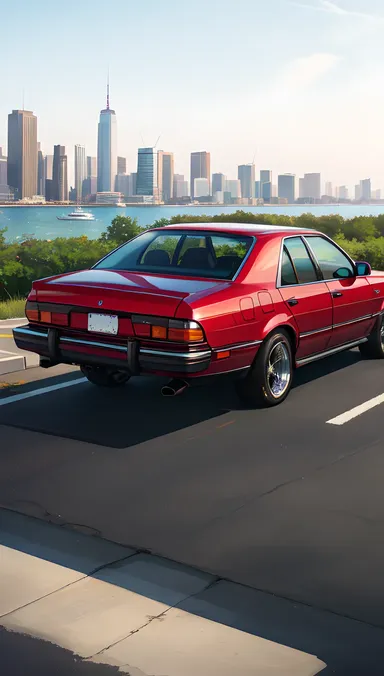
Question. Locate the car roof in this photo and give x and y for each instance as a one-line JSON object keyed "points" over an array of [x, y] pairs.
{"points": [[243, 228]]}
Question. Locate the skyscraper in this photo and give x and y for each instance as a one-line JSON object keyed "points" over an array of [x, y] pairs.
{"points": [[266, 191], [59, 175], [40, 189], [342, 192], [80, 171], [365, 189], [266, 180], [48, 167], [180, 186], [121, 165], [106, 149], [246, 176], [329, 189], [286, 187], [218, 183], [3, 169], [201, 187], [311, 186], [233, 187], [200, 168], [165, 175], [22, 153], [91, 166], [147, 172]]}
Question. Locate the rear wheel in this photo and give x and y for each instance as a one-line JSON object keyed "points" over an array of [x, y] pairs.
{"points": [[270, 377], [105, 377], [374, 347]]}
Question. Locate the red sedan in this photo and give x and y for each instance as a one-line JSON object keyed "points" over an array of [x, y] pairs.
{"points": [[190, 301]]}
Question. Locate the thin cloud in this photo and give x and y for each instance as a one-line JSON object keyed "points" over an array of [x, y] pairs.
{"points": [[333, 8], [303, 72]]}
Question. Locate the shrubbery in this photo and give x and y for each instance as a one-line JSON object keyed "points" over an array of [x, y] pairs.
{"points": [[21, 263]]}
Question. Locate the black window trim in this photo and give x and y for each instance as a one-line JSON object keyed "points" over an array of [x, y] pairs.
{"points": [[315, 264], [279, 285]]}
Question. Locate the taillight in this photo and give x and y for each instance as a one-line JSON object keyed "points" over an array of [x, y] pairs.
{"points": [[174, 330], [44, 317], [32, 314], [185, 332]]}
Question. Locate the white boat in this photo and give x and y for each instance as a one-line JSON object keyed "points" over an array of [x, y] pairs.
{"points": [[77, 215], [120, 204]]}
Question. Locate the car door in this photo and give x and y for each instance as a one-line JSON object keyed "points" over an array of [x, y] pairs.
{"points": [[306, 296], [354, 300]]}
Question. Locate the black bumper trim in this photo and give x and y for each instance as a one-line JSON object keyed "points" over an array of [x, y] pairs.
{"points": [[63, 350]]}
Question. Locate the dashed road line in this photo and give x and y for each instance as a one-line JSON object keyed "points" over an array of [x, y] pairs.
{"points": [[356, 411], [41, 390]]}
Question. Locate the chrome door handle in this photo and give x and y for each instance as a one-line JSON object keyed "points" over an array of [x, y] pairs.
{"points": [[292, 301], [336, 294]]}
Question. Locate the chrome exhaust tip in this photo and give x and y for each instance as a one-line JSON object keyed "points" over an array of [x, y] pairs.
{"points": [[173, 388]]}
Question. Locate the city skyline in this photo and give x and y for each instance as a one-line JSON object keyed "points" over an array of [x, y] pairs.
{"points": [[314, 106]]}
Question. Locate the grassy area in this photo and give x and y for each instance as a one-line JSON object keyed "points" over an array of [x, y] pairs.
{"points": [[14, 307]]}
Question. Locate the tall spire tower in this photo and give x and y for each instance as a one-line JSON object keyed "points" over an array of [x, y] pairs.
{"points": [[107, 148]]}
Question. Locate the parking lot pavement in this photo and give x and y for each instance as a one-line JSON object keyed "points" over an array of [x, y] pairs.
{"points": [[281, 500]]}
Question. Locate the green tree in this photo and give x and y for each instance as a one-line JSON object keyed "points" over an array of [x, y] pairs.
{"points": [[122, 229], [2, 237], [160, 223]]}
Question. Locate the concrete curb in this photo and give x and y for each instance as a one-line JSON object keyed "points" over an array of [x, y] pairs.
{"points": [[9, 363], [11, 358]]}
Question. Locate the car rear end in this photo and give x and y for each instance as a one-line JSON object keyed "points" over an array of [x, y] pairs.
{"points": [[98, 327]]}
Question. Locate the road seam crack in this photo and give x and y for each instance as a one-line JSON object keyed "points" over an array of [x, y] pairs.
{"points": [[152, 618], [70, 584]]}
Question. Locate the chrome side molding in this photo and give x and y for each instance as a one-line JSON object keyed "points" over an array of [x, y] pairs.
{"points": [[329, 353]]}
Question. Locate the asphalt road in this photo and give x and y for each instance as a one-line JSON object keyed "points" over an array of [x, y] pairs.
{"points": [[279, 500], [22, 655]]}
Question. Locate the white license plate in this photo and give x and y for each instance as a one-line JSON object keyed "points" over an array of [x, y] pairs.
{"points": [[103, 323]]}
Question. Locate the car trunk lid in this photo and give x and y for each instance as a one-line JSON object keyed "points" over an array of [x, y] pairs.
{"points": [[119, 291]]}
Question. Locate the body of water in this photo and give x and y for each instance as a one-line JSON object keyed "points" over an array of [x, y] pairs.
{"points": [[42, 223]]}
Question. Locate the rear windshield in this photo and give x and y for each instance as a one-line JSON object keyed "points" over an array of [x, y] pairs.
{"points": [[192, 254]]}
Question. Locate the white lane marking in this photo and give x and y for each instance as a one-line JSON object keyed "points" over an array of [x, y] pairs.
{"points": [[358, 410], [42, 390]]}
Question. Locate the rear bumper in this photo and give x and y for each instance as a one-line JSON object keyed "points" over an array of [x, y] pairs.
{"points": [[60, 349]]}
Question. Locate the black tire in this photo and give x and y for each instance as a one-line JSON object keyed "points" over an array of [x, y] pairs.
{"points": [[257, 389], [105, 377], [374, 347]]}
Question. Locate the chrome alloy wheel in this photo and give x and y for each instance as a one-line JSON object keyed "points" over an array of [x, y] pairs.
{"points": [[382, 334], [279, 369]]}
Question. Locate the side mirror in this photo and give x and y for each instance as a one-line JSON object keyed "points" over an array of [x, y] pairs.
{"points": [[343, 273], [363, 268]]}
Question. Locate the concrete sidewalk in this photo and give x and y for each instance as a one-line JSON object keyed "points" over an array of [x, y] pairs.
{"points": [[112, 605], [11, 358]]}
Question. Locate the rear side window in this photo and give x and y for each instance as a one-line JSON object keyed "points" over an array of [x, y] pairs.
{"points": [[304, 268]]}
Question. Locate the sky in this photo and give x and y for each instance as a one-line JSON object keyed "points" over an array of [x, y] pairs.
{"points": [[293, 85]]}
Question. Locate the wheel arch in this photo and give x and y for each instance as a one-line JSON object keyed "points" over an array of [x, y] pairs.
{"points": [[290, 330]]}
